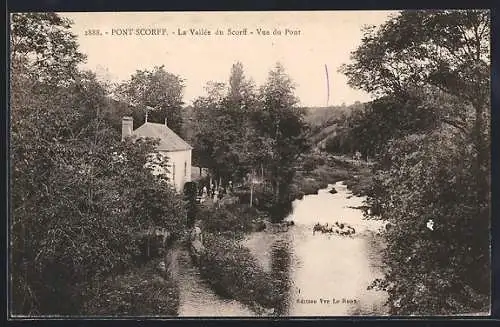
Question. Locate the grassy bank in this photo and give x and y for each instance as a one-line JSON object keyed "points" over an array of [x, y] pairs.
{"points": [[234, 273], [229, 267], [357, 177], [140, 291]]}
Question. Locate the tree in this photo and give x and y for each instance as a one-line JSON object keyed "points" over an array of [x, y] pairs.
{"points": [[439, 60], [212, 142], [281, 129], [44, 46], [159, 90], [222, 125], [79, 195], [388, 118], [421, 50], [443, 269]]}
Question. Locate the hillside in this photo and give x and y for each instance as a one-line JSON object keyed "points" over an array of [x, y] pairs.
{"points": [[328, 121], [316, 116]]}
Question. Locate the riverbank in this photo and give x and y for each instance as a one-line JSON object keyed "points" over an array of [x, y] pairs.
{"points": [[324, 266], [356, 175], [267, 272], [227, 267], [234, 273]]}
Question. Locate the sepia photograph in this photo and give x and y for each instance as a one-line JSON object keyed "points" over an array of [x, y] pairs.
{"points": [[249, 164]]}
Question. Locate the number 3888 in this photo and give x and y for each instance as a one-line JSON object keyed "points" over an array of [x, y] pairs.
{"points": [[91, 32]]}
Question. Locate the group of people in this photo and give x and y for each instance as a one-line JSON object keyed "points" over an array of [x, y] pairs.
{"points": [[215, 193], [338, 228]]}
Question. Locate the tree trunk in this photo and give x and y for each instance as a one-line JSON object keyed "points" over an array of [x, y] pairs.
{"points": [[251, 193]]}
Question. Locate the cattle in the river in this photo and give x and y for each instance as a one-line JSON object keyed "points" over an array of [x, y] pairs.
{"points": [[333, 191], [338, 228], [317, 228]]}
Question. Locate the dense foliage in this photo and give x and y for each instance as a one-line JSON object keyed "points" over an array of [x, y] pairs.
{"points": [[158, 90], [368, 130], [234, 273], [240, 131], [232, 220], [432, 179], [143, 291], [79, 195]]}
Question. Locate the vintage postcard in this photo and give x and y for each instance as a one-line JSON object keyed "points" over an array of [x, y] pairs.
{"points": [[250, 164]]}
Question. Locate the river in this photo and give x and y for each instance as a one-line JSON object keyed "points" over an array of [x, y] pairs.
{"points": [[321, 274]]}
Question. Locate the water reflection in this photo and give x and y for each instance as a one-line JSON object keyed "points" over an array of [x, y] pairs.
{"points": [[324, 274], [316, 275]]}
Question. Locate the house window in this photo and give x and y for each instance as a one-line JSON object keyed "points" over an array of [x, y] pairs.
{"points": [[185, 168]]}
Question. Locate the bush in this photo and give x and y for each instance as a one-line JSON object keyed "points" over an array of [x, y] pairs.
{"points": [[331, 174], [139, 292], [305, 185], [445, 270], [190, 194], [360, 185], [312, 186], [234, 273], [312, 161], [309, 164], [236, 219], [263, 198]]}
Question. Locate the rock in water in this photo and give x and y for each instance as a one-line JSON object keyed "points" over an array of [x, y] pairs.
{"points": [[332, 191]]}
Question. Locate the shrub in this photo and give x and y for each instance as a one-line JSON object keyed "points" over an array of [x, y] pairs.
{"points": [[331, 174], [141, 291], [361, 184], [309, 164], [445, 269], [312, 161], [235, 219], [234, 273], [190, 194]]}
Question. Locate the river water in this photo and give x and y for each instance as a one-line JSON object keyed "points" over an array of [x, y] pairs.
{"points": [[321, 274]]}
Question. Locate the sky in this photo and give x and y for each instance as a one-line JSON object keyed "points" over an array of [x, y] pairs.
{"points": [[308, 41]]}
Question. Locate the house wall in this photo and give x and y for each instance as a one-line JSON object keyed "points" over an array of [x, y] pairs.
{"points": [[179, 163], [180, 168]]}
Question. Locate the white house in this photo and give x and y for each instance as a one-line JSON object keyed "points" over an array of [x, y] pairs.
{"points": [[171, 146]]}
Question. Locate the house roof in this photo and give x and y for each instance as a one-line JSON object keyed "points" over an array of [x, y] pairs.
{"points": [[169, 141]]}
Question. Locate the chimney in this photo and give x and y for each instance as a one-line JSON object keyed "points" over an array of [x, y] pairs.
{"points": [[127, 127]]}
